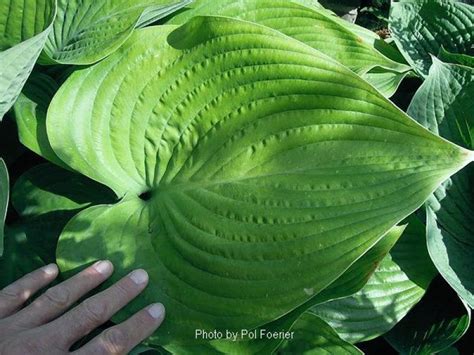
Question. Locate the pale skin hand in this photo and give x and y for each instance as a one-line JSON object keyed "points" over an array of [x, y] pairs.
{"points": [[48, 325]]}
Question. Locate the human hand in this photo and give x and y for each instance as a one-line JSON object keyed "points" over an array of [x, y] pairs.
{"points": [[45, 326]]}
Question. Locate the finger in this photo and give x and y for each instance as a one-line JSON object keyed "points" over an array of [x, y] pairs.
{"points": [[122, 338], [15, 295], [59, 298], [98, 309]]}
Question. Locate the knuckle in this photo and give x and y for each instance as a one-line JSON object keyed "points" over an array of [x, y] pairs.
{"points": [[15, 294], [95, 312], [58, 297], [121, 290], [115, 341]]}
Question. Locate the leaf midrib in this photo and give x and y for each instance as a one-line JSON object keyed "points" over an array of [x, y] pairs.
{"points": [[171, 187]]}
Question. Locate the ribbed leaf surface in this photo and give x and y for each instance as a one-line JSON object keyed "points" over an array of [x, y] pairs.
{"points": [[444, 104], [24, 26], [348, 283], [86, 31], [422, 27], [317, 27], [257, 158]]}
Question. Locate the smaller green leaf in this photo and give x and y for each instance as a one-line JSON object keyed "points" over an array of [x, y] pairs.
{"points": [[155, 12], [396, 286], [48, 188], [4, 192], [86, 31], [24, 27], [434, 324], [444, 105], [314, 336], [46, 197], [421, 27], [30, 114], [451, 246], [384, 80], [357, 276]]}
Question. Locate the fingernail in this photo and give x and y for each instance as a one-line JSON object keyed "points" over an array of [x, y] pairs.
{"points": [[50, 269], [139, 276], [103, 267], [156, 310]]}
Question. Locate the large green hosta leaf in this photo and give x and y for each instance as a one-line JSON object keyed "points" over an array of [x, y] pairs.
{"points": [[438, 321], [422, 27], [4, 194], [396, 286], [24, 27], [444, 104], [86, 31], [317, 27], [257, 158]]}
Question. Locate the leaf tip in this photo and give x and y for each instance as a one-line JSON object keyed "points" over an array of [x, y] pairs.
{"points": [[470, 156]]}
